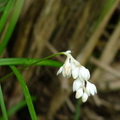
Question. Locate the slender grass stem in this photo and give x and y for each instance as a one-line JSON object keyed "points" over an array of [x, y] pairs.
{"points": [[3, 105], [26, 93]]}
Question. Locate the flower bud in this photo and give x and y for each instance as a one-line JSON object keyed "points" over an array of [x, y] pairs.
{"points": [[67, 68], [77, 84], [90, 88], [84, 97], [84, 73], [75, 72], [79, 93]]}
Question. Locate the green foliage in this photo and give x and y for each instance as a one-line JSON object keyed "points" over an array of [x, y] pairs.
{"points": [[12, 22]]}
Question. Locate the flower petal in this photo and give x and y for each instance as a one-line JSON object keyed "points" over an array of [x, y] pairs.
{"points": [[67, 68], [91, 88], [60, 70], [75, 72], [84, 97], [84, 73], [79, 93], [68, 51], [77, 84]]}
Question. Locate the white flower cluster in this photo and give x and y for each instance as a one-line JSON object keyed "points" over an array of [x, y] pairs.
{"points": [[81, 85]]}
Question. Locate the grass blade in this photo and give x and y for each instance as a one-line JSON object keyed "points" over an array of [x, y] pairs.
{"points": [[3, 105], [16, 108], [13, 21], [29, 62], [5, 14], [26, 93]]}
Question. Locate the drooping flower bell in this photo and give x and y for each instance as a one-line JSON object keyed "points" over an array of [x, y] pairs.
{"points": [[90, 88], [84, 73]]}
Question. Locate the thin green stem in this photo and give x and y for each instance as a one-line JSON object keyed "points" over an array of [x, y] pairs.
{"points": [[26, 93], [3, 105], [46, 58], [77, 112]]}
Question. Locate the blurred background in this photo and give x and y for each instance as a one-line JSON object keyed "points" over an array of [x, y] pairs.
{"points": [[89, 28]]}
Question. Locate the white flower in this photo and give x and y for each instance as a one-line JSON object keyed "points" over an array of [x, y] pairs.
{"points": [[66, 69], [84, 97], [81, 85], [75, 72], [84, 73], [82, 90], [90, 88], [77, 84], [79, 93]]}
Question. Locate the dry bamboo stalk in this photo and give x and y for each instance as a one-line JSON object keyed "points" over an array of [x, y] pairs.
{"points": [[85, 20], [73, 44], [24, 30], [25, 8], [109, 86], [87, 50], [114, 85], [105, 67], [70, 105], [45, 25], [107, 77], [54, 51], [57, 101], [109, 82], [16, 96], [92, 115], [67, 13], [109, 52]]}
